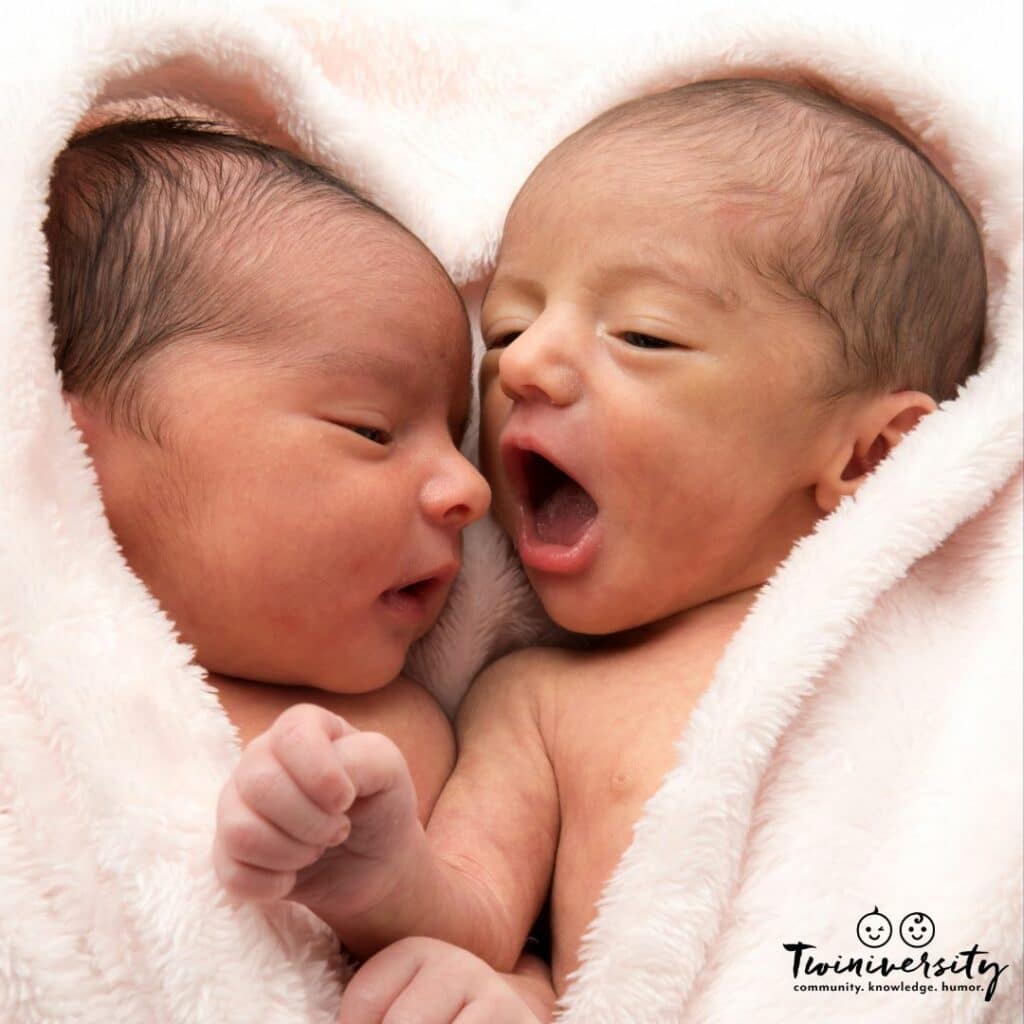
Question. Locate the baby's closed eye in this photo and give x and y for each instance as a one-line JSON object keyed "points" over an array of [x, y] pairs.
{"points": [[639, 340], [373, 434], [502, 340]]}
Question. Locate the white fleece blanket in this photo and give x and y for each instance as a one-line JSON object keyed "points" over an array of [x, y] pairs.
{"points": [[860, 745]]}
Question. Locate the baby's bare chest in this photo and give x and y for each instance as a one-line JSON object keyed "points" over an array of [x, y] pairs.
{"points": [[614, 744]]}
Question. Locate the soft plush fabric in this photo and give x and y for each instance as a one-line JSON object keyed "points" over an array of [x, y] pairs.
{"points": [[860, 744]]}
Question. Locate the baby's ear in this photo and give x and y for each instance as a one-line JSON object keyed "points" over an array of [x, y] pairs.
{"points": [[81, 413], [872, 432], [92, 422]]}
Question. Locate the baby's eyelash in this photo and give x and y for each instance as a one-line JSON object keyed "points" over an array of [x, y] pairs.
{"points": [[372, 434], [639, 340], [503, 340]]}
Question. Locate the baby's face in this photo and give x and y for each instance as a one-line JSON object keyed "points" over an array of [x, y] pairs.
{"points": [[300, 520], [650, 420]]}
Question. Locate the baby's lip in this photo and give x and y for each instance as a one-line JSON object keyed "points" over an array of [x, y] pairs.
{"points": [[444, 572], [420, 594]]}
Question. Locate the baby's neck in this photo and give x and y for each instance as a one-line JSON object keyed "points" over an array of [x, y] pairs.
{"points": [[252, 706], [723, 614]]}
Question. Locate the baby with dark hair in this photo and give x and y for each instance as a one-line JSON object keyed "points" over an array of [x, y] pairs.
{"points": [[272, 377], [714, 312]]}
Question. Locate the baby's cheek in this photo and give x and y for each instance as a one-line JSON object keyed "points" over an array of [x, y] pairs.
{"points": [[494, 410]]}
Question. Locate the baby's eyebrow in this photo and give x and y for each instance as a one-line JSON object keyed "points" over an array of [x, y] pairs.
{"points": [[511, 282], [348, 360], [673, 274]]}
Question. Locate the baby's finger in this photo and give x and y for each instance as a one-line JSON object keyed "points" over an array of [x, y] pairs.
{"points": [[245, 882], [376, 985], [263, 785], [374, 763], [301, 740], [432, 997], [250, 838], [485, 1012]]}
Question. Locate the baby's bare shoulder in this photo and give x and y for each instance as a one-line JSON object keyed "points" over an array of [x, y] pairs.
{"points": [[532, 663], [524, 674], [517, 690]]}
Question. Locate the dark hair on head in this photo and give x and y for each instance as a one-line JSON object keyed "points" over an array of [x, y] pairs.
{"points": [[850, 217], [143, 220]]}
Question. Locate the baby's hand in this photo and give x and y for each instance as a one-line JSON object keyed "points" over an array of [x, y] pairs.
{"points": [[304, 787], [426, 981]]}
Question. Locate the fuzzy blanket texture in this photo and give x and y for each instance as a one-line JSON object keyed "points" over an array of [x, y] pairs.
{"points": [[860, 745]]}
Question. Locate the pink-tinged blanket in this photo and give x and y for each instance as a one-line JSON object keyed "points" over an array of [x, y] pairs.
{"points": [[858, 755]]}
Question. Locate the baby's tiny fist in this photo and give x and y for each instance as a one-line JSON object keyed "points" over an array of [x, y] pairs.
{"points": [[283, 805], [302, 739], [386, 806], [354, 878]]}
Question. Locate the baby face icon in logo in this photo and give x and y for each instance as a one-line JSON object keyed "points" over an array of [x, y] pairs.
{"points": [[874, 929], [917, 929]]}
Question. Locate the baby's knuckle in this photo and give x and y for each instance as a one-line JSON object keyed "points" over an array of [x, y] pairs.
{"points": [[294, 725], [327, 780], [296, 716], [383, 749], [259, 782]]}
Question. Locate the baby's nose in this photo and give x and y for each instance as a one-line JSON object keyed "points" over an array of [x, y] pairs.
{"points": [[536, 367], [457, 497]]}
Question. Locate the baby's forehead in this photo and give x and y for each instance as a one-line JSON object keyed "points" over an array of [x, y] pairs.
{"points": [[598, 206], [669, 165], [350, 264], [663, 183], [366, 301]]}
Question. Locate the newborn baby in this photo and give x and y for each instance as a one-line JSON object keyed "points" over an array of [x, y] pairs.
{"points": [[271, 376], [714, 312]]}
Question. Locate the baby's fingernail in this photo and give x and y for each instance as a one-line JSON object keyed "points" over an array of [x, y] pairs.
{"points": [[342, 834], [348, 798]]}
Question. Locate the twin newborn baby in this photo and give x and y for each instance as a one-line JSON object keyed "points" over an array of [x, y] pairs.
{"points": [[714, 311]]}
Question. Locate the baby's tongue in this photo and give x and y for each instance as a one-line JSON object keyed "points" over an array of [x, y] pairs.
{"points": [[564, 514]]}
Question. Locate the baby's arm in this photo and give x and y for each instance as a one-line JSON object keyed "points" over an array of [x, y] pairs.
{"points": [[478, 882]]}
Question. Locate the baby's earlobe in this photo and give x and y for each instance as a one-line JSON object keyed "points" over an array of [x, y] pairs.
{"points": [[831, 490], [78, 410]]}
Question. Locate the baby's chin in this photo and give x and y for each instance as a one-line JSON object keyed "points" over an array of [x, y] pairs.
{"points": [[369, 673], [353, 672], [581, 607]]}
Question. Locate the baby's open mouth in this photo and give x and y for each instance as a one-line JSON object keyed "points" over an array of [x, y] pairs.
{"points": [[562, 509], [419, 589], [414, 600], [559, 530]]}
